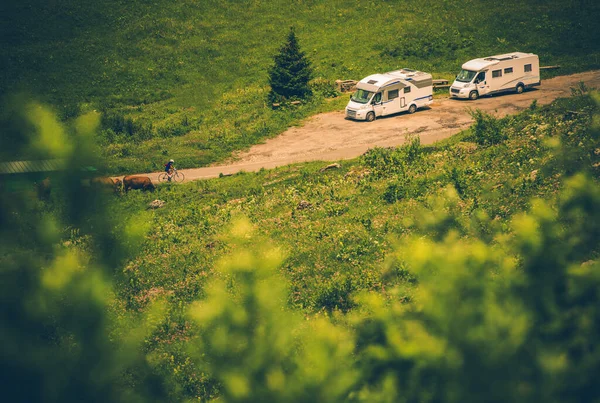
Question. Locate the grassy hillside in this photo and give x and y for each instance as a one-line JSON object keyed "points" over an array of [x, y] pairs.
{"points": [[343, 231], [188, 79]]}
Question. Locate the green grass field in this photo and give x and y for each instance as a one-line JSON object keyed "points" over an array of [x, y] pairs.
{"points": [[188, 79], [341, 230]]}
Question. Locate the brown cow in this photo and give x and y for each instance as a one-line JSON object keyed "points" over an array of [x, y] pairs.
{"points": [[107, 183], [137, 182]]}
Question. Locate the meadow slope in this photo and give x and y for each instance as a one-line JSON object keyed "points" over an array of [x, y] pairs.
{"points": [[343, 232], [188, 79]]}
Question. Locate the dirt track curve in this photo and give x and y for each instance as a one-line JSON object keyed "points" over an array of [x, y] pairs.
{"points": [[330, 137]]}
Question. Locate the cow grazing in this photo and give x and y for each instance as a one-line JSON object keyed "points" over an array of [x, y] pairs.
{"points": [[137, 182], [107, 183]]}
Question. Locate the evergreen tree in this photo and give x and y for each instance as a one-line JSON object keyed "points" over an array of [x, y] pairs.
{"points": [[291, 73]]}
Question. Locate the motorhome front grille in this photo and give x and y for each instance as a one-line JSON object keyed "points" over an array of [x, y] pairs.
{"points": [[454, 90], [351, 113]]}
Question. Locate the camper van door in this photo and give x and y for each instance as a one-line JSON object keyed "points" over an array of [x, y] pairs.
{"points": [[482, 84], [377, 104], [391, 102]]}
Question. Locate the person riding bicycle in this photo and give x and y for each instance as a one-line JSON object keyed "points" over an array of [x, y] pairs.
{"points": [[169, 168]]}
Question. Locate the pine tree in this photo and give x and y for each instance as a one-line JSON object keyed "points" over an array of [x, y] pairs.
{"points": [[291, 73]]}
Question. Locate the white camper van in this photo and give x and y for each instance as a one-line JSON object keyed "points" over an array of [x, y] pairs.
{"points": [[387, 93], [494, 74]]}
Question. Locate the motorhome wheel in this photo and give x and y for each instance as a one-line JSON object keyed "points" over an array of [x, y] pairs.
{"points": [[370, 117], [412, 108], [473, 95], [520, 88]]}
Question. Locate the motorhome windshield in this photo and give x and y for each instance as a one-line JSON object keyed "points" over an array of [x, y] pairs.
{"points": [[465, 76], [362, 96]]}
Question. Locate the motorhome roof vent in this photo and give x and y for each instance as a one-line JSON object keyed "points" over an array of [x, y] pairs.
{"points": [[372, 81], [490, 59]]}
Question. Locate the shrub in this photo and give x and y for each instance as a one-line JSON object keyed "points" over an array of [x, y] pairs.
{"points": [[487, 130], [323, 87], [384, 161], [412, 148], [458, 179], [405, 188], [389, 161]]}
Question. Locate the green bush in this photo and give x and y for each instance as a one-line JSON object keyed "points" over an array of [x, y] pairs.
{"points": [[323, 87], [384, 162], [487, 130]]}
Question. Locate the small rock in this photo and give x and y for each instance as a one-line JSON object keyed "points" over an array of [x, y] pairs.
{"points": [[533, 175], [156, 204], [303, 205], [331, 166]]}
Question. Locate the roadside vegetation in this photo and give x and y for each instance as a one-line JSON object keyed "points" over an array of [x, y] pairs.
{"points": [[189, 80]]}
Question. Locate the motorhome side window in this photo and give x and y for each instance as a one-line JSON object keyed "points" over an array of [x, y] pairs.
{"points": [[377, 98], [508, 70], [496, 73], [392, 94], [406, 90], [480, 77], [527, 68]]}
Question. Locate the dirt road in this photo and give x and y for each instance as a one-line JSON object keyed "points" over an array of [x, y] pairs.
{"points": [[330, 137]]}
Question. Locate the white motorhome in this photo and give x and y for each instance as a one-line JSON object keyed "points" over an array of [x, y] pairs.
{"points": [[490, 75], [388, 93]]}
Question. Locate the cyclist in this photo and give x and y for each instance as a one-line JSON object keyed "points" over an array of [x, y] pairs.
{"points": [[169, 169]]}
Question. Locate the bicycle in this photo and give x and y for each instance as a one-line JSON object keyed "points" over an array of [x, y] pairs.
{"points": [[176, 176]]}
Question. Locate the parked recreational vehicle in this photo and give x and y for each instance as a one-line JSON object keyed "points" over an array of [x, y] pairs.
{"points": [[494, 74], [388, 93]]}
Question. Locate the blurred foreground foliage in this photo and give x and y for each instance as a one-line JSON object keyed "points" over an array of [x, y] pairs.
{"points": [[512, 315], [59, 342]]}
